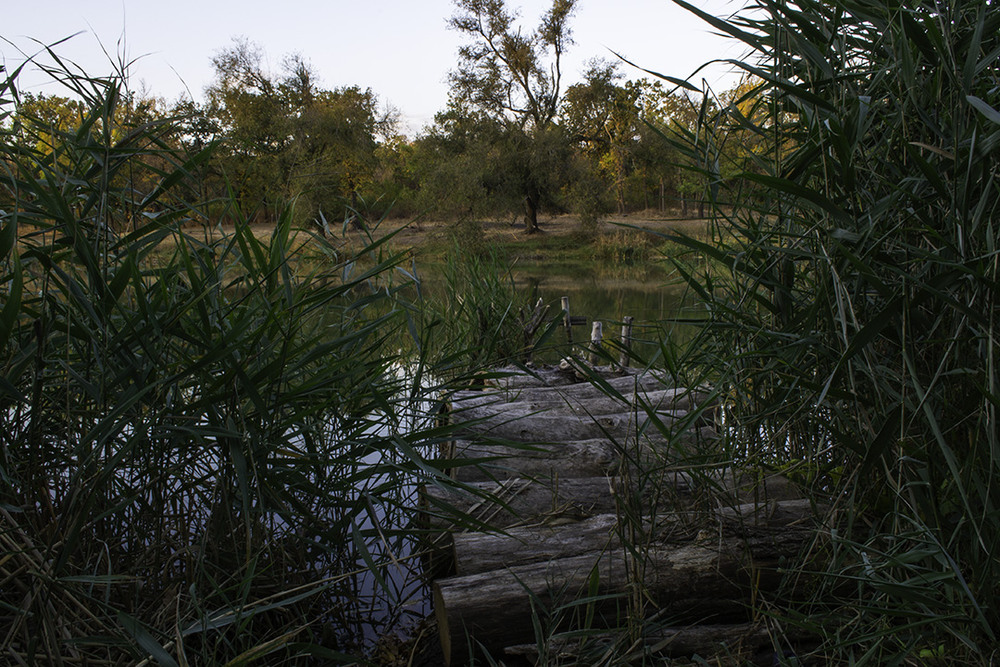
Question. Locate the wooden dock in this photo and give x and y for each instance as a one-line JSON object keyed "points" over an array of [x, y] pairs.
{"points": [[571, 512]]}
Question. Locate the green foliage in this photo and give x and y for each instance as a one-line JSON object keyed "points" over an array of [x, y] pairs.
{"points": [[508, 74], [471, 165], [624, 248], [515, 80], [605, 119], [587, 193], [486, 321], [287, 138], [856, 322], [461, 165], [199, 438]]}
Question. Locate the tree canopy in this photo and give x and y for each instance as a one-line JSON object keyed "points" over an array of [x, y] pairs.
{"points": [[290, 138], [517, 137], [515, 79]]}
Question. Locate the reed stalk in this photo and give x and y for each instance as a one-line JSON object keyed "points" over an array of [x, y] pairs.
{"points": [[209, 443], [853, 305]]}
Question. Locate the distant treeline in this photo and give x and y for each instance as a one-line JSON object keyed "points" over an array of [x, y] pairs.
{"points": [[603, 146]]}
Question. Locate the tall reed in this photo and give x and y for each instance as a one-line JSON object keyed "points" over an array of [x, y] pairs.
{"points": [[208, 443], [854, 305], [485, 319]]}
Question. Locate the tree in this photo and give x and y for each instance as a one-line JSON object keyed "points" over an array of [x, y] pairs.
{"points": [[462, 164], [289, 138], [248, 106], [516, 80], [603, 117], [681, 118]]}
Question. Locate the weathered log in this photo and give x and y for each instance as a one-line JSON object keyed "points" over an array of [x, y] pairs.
{"points": [[483, 552], [511, 378], [623, 427], [705, 580], [590, 398], [478, 461], [472, 404], [492, 506], [498, 505], [481, 417], [583, 458], [540, 376]]}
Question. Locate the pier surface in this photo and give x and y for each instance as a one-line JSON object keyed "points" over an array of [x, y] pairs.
{"points": [[578, 511]]}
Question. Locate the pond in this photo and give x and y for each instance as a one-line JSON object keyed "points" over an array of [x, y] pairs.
{"points": [[661, 308]]}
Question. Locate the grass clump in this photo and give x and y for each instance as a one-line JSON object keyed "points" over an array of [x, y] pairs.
{"points": [[623, 248], [485, 319]]}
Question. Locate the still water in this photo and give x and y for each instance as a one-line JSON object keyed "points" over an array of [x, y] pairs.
{"points": [[662, 310], [606, 298]]}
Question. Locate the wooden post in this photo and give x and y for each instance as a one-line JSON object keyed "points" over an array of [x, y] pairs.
{"points": [[534, 321], [625, 357], [567, 321], [596, 338]]}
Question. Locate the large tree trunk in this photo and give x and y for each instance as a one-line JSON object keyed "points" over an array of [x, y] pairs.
{"points": [[530, 214]]}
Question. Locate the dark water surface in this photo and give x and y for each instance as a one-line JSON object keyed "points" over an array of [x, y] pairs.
{"points": [[660, 308]]}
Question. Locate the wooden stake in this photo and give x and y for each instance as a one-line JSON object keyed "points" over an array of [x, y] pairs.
{"points": [[625, 357], [534, 321], [567, 321], [596, 338]]}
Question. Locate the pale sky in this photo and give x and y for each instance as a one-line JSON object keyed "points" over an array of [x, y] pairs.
{"points": [[401, 49]]}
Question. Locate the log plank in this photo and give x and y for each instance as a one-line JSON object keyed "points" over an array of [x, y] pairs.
{"points": [[482, 552], [583, 458], [586, 403], [499, 505], [564, 428], [708, 579], [512, 378]]}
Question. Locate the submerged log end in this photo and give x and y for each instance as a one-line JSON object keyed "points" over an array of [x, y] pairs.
{"points": [[444, 627], [469, 625]]}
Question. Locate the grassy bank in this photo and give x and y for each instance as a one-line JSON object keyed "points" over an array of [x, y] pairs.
{"points": [[635, 240]]}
